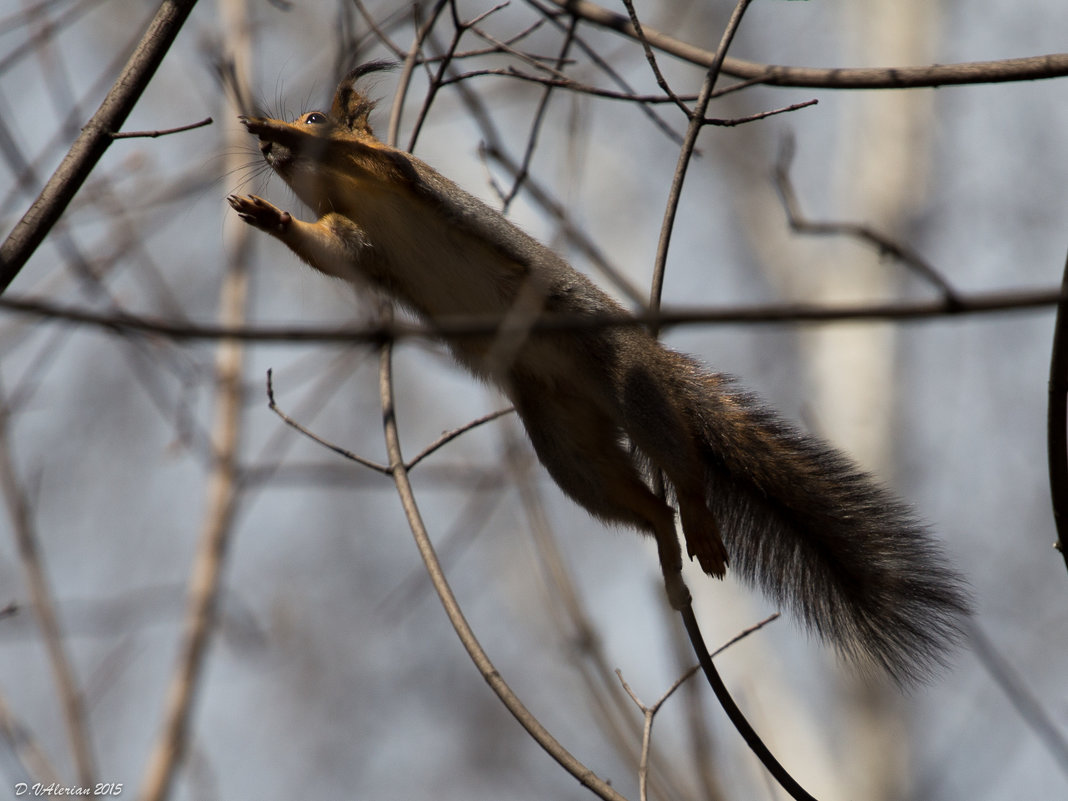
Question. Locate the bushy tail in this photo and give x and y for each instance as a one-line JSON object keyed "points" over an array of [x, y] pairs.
{"points": [[821, 536]]}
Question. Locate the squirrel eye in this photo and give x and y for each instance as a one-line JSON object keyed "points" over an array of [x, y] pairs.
{"points": [[315, 118]]}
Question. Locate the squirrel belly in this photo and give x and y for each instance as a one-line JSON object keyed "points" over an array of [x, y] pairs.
{"points": [[605, 406]]}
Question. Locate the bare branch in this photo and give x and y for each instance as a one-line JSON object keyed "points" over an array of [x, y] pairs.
{"points": [[41, 597], [1012, 69], [785, 780], [167, 132], [885, 245], [697, 117], [760, 115], [474, 649], [222, 491], [1057, 421], [993, 302], [535, 126], [650, 57], [93, 141], [449, 436], [649, 712], [25, 747], [216, 530], [563, 598], [410, 60], [381, 468]]}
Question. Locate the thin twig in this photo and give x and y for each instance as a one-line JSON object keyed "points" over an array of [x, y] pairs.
{"points": [[650, 712], [71, 698], [167, 132], [381, 468], [24, 746], [93, 141], [650, 57], [599, 61], [1012, 69], [505, 47], [626, 95], [376, 28], [459, 28], [407, 68], [449, 436], [578, 238], [884, 244], [760, 115], [444, 439], [689, 142], [535, 126], [272, 457], [385, 469], [474, 649]]}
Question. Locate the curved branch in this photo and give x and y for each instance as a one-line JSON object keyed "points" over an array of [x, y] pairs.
{"points": [[1057, 427], [586, 777], [752, 739], [1011, 69]]}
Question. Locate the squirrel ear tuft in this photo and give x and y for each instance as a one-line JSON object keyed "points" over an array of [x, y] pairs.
{"points": [[351, 109]]}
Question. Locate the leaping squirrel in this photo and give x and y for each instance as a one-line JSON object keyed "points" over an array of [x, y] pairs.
{"points": [[604, 406]]}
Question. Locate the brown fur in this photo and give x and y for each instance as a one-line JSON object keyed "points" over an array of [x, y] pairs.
{"points": [[604, 406]]}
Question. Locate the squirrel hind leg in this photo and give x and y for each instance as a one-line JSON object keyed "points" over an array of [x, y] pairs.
{"points": [[581, 448], [658, 424]]}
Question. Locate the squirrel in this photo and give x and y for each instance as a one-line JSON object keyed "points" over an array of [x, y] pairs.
{"points": [[605, 406]]}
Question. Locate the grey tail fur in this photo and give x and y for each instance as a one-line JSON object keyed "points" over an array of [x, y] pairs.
{"points": [[823, 537]]}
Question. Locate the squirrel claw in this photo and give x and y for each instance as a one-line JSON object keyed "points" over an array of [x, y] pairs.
{"points": [[711, 555], [258, 213]]}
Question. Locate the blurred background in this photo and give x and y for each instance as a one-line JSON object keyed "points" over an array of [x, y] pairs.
{"points": [[330, 670]]}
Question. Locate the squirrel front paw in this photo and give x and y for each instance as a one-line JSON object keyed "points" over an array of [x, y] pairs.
{"points": [[258, 213]]}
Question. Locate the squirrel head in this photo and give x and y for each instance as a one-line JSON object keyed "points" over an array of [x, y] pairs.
{"points": [[321, 155]]}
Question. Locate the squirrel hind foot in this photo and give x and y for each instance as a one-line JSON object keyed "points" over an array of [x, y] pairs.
{"points": [[703, 540]]}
